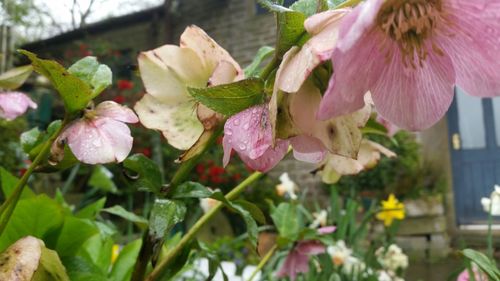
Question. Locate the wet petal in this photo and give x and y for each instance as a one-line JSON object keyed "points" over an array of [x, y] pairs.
{"points": [[98, 141], [312, 247], [308, 149], [268, 160], [14, 104], [177, 121], [116, 111], [224, 73], [207, 49], [414, 98]]}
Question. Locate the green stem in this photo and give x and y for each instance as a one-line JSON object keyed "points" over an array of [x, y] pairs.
{"points": [[10, 204], [165, 262], [263, 262], [264, 74], [490, 236], [348, 3]]}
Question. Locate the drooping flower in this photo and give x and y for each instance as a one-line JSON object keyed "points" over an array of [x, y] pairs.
{"points": [[369, 154], [286, 187], [392, 258], [168, 71], [391, 209], [101, 135], [14, 104], [478, 274], [297, 260], [492, 204], [411, 54]]}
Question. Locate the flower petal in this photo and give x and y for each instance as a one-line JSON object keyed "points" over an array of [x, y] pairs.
{"points": [[207, 49], [98, 141], [268, 160], [414, 98], [14, 104], [327, 229], [474, 46], [308, 149], [116, 111], [311, 247], [177, 121], [224, 73]]}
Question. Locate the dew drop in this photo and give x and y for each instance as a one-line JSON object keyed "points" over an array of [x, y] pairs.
{"points": [[242, 146], [246, 126], [236, 122], [228, 132]]}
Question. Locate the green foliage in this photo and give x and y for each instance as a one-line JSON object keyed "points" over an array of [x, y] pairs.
{"points": [[124, 264], [8, 182], [15, 77], [121, 212], [288, 220], [262, 54], [89, 70], [229, 99], [165, 214], [291, 31], [309, 7], [102, 178], [147, 174], [487, 265], [11, 156], [190, 190]]}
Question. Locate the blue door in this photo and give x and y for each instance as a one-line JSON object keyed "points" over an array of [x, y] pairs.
{"points": [[474, 128]]}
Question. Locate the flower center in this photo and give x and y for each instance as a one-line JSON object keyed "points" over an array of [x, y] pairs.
{"points": [[410, 23]]}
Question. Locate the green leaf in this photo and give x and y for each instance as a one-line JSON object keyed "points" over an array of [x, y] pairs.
{"points": [[30, 139], [35, 216], [309, 7], [165, 214], [253, 209], [485, 264], [117, 210], [101, 179], [124, 264], [148, 174], [262, 54], [288, 220], [190, 190], [75, 92], [8, 183], [291, 31], [15, 77], [98, 250], [74, 233], [79, 269], [272, 6], [91, 210], [50, 268], [250, 223], [97, 75], [231, 98]]}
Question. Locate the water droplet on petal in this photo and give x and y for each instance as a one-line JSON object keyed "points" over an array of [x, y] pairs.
{"points": [[242, 146], [246, 126], [236, 122], [228, 132]]}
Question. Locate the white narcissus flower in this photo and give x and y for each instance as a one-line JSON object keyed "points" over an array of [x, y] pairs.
{"points": [[286, 187], [342, 256], [14, 104], [492, 204], [319, 219], [101, 135], [168, 71], [392, 258]]}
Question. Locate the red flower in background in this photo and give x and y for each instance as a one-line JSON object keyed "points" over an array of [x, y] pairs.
{"points": [[124, 84], [146, 151], [119, 99]]}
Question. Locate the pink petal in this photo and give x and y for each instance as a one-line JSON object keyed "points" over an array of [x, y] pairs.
{"points": [[414, 99], [207, 49], [308, 149], [116, 111], [311, 247], [270, 158], [98, 141], [14, 104], [391, 128], [474, 46], [224, 73], [327, 229], [249, 132], [356, 71], [297, 65], [294, 263]]}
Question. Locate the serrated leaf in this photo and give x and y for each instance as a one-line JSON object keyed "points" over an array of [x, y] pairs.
{"points": [[148, 174], [262, 54], [97, 75], [91, 210], [255, 211], [165, 214], [291, 31], [75, 92], [121, 212], [288, 220], [15, 77], [309, 7], [190, 190], [229, 99]]}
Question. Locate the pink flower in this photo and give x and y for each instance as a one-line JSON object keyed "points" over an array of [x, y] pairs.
{"points": [[14, 104], [478, 275], [249, 134], [411, 54], [297, 260], [101, 136]]}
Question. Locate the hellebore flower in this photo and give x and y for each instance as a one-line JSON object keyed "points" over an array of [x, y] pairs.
{"points": [[369, 154], [478, 274], [410, 55], [391, 209], [101, 135], [492, 204], [297, 260], [168, 71], [14, 104]]}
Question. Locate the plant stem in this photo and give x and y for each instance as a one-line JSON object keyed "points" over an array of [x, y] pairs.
{"points": [[490, 236], [164, 263], [264, 74], [263, 262], [10, 204], [348, 3]]}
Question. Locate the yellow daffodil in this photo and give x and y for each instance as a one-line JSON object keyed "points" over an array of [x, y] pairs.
{"points": [[115, 251], [391, 209]]}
